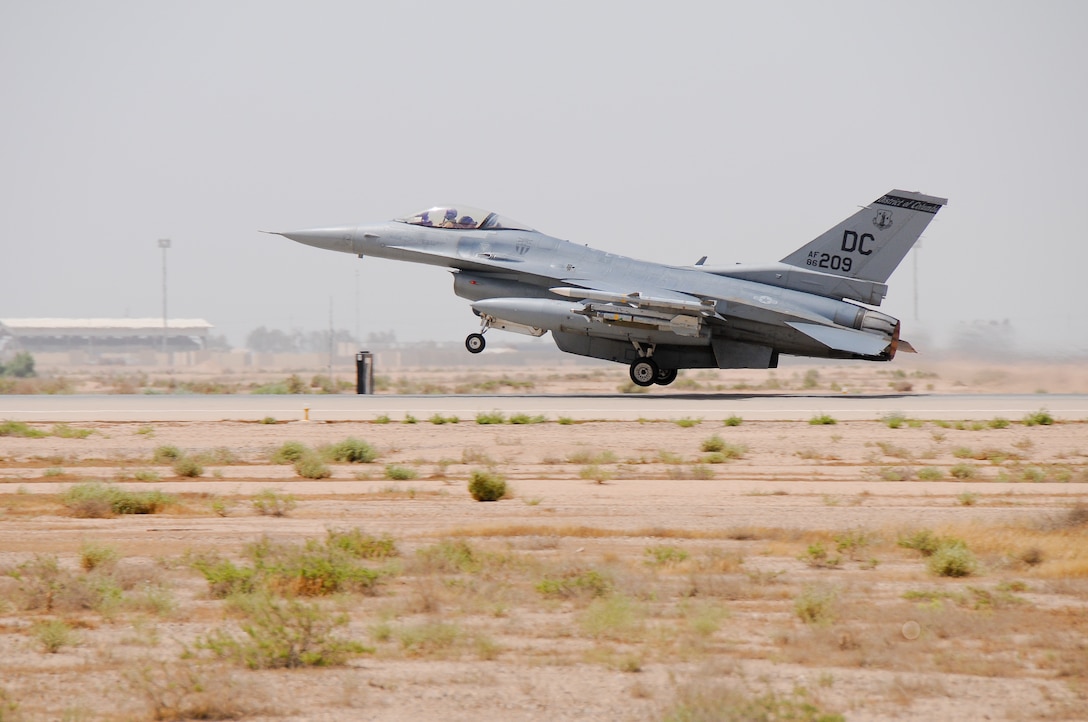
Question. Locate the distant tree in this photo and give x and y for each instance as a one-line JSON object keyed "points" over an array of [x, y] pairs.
{"points": [[217, 343], [381, 337], [21, 366], [318, 341], [263, 340]]}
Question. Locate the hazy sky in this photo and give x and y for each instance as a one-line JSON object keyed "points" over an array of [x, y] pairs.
{"points": [[663, 131]]}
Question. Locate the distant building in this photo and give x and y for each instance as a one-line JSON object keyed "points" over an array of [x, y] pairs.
{"points": [[96, 337]]}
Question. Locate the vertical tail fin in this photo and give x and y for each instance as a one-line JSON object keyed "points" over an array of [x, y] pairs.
{"points": [[871, 243]]}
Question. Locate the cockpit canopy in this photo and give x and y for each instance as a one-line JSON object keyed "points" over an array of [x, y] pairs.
{"points": [[463, 217]]}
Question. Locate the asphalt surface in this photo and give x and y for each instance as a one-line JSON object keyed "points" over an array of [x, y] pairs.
{"points": [[620, 407]]}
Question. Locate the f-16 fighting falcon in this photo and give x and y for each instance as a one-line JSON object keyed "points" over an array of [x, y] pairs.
{"points": [[654, 317]]}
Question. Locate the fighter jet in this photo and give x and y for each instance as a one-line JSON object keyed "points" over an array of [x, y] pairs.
{"points": [[659, 318]]}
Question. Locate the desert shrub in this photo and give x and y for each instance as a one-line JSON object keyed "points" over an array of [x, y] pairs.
{"points": [[95, 499], [220, 455], [352, 451], [269, 502], [733, 421], [967, 499], [93, 556], [146, 475], [310, 466], [952, 560], [89, 500], [166, 454], [18, 428], [714, 443], [895, 473], [526, 419], [894, 420], [963, 471], [451, 556], [930, 473], [188, 467], [44, 584], [225, 578], [364, 546], [64, 431], [817, 557], [665, 555], [269, 420], [612, 617], [595, 472], [429, 638], [53, 634], [487, 485], [439, 419], [490, 417], [717, 702], [578, 583], [701, 472], [289, 452], [314, 568], [729, 450], [396, 472], [923, 541], [187, 690], [853, 542], [283, 633], [589, 456], [998, 423], [822, 420], [1041, 417], [816, 605]]}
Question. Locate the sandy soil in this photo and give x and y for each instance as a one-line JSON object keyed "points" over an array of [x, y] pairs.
{"points": [[613, 497]]}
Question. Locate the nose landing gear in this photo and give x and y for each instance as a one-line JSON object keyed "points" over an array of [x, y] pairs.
{"points": [[475, 342]]}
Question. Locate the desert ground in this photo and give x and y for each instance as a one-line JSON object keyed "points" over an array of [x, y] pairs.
{"points": [[662, 569]]}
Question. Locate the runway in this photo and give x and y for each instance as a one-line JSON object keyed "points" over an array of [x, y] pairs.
{"points": [[617, 407]]}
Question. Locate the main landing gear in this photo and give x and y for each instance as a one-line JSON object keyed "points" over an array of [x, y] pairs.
{"points": [[646, 372]]}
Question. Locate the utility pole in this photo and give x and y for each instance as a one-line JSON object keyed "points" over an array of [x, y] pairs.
{"points": [[164, 244]]}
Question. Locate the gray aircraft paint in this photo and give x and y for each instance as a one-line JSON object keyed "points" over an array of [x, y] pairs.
{"points": [[656, 317]]}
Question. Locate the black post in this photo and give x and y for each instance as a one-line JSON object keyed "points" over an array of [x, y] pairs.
{"points": [[364, 372]]}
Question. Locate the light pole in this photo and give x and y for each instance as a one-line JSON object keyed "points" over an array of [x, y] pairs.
{"points": [[164, 243]]}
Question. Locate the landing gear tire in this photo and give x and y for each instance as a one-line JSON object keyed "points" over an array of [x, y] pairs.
{"points": [[475, 343], [665, 376], [644, 372]]}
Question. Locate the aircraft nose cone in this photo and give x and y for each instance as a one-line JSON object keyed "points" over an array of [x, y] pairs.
{"points": [[338, 238]]}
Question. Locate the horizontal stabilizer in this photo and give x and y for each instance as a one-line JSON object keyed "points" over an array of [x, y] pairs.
{"points": [[844, 339]]}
